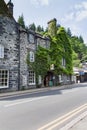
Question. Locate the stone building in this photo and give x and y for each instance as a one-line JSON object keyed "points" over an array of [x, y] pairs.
{"points": [[15, 44]]}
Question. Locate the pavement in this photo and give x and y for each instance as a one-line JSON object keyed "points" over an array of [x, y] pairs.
{"points": [[35, 90], [79, 123]]}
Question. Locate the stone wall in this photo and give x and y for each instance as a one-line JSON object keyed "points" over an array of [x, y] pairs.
{"points": [[9, 38], [25, 47]]}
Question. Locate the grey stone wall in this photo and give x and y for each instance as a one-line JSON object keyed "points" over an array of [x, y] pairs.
{"points": [[25, 47], [23, 57], [17, 45], [9, 38]]}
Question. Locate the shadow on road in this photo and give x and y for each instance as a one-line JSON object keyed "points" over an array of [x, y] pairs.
{"points": [[32, 95], [45, 92]]}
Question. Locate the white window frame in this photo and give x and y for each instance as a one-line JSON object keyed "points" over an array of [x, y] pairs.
{"points": [[63, 62], [31, 77], [1, 51], [4, 79], [60, 78], [32, 56]]}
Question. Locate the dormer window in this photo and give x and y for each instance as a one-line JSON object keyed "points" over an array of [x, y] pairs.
{"points": [[1, 51], [32, 56], [31, 38]]}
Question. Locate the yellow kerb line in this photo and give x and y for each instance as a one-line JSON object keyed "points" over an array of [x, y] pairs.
{"points": [[62, 119]]}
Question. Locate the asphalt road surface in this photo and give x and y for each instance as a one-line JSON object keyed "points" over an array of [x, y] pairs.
{"points": [[33, 111]]}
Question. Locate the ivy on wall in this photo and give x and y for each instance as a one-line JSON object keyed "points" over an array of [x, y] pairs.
{"points": [[41, 64], [67, 49], [60, 47]]}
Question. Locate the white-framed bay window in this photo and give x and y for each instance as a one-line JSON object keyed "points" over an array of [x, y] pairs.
{"points": [[1, 51], [31, 77], [4, 78]]}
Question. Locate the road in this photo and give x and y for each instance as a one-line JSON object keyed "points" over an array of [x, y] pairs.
{"points": [[33, 111]]}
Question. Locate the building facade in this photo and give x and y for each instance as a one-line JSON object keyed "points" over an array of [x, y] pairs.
{"points": [[15, 44]]}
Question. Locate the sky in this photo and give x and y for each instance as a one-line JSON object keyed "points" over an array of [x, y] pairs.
{"points": [[69, 13]]}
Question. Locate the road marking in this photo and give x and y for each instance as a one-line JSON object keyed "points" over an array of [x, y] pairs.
{"points": [[25, 101], [74, 121], [60, 120]]}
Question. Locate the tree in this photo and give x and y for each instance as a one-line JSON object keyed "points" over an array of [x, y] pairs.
{"points": [[68, 31], [81, 39], [40, 29], [32, 27], [21, 21], [78, 46]]}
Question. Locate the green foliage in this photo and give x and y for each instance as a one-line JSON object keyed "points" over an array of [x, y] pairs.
{"points": [[4, 9], [81, 39], [61, 48], [21, 21], [63, 45], [66, 49], [79, 48], [42, 62], [40, 29], [52, 29], [69, 32], [32, 27]]}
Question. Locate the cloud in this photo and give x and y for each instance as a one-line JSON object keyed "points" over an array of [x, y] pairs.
{"points": [[78, 12], [81, 11], [40, 2], [82, 5], [81, 15]]}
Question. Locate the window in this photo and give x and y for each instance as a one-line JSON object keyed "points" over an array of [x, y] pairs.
{"points": [[31, 38], [31, 56], [68, 78], [3, 78], [1, 51], [31, 78], [48, 44], [63, 62]]}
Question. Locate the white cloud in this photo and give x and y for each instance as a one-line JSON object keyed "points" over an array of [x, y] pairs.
{"points": [[81, 5], [81, 11], [81, 15], [68, 17], [78, 13], [40, 2]]}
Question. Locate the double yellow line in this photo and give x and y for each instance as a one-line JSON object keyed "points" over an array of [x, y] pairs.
{"points": [[52, 125]]}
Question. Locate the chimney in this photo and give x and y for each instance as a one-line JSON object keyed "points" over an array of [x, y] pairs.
{"points": [[52, 27], [10, 7]]}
